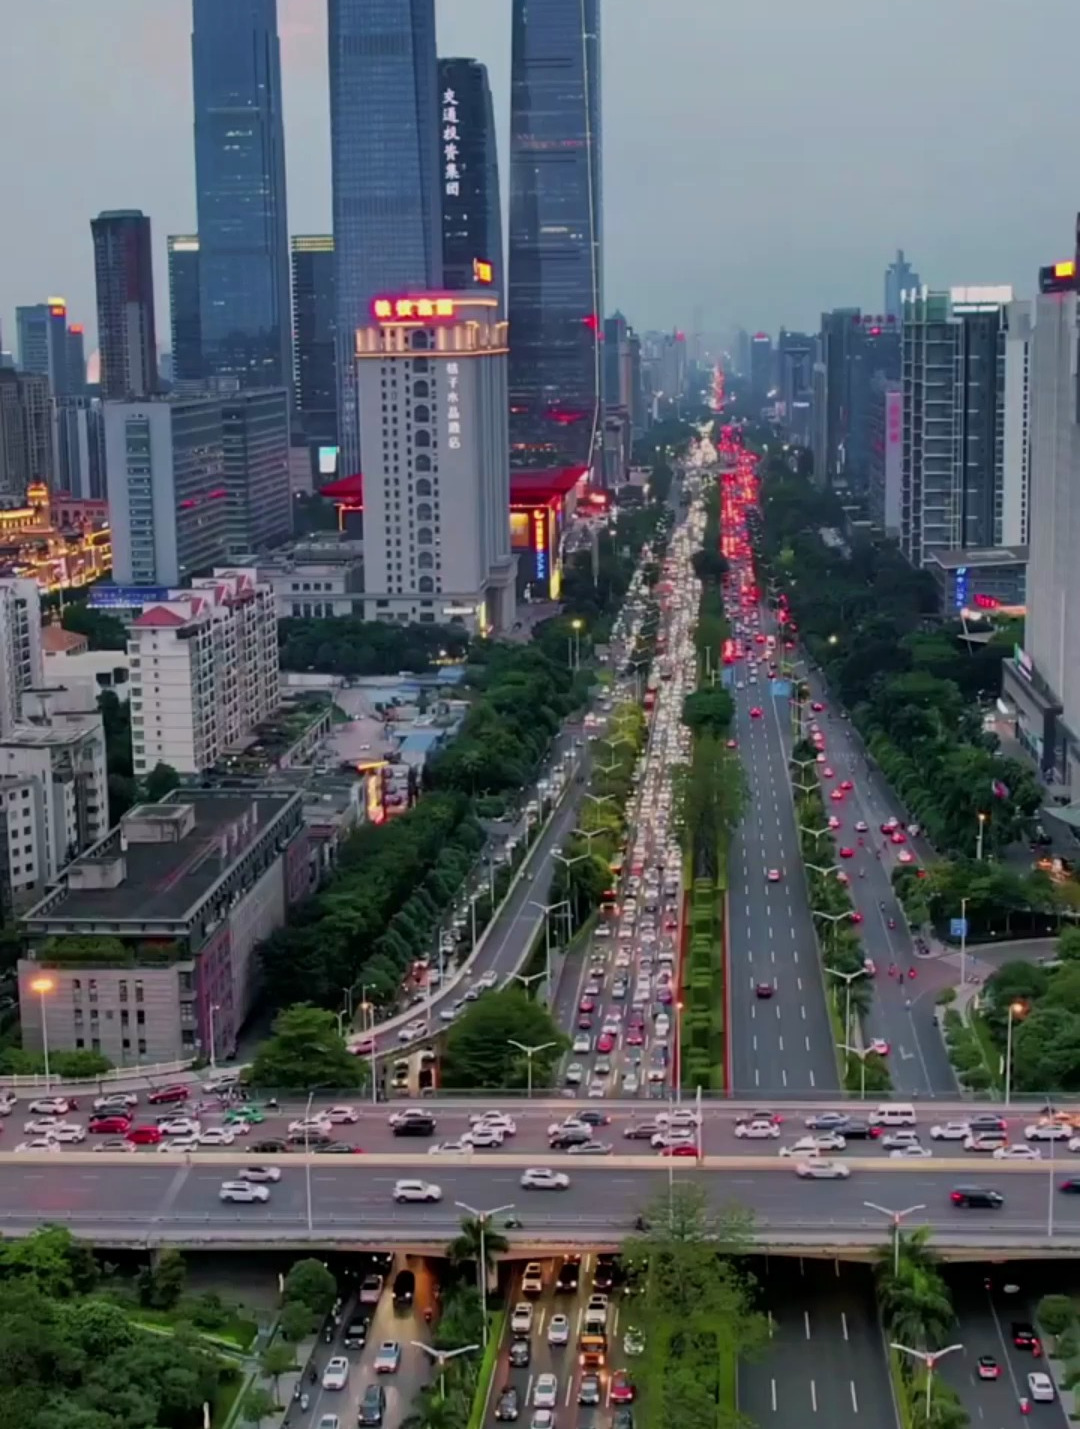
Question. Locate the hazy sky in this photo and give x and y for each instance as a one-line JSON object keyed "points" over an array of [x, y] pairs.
{"points": [[762, 158]]}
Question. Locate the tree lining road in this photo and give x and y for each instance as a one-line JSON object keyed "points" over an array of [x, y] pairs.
{"points": [[157, 1202]]}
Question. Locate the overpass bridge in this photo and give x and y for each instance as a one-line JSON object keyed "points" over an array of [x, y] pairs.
{"points": [[346, 1202]]}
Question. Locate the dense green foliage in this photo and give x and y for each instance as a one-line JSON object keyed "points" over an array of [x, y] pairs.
{"points": [[917, 1312], [305, 1051], [1046, 1019], [478, 1051], [696, 1311], [345, 646], [869, 620], [103, 631], [73, 1359], [1000, 901]]}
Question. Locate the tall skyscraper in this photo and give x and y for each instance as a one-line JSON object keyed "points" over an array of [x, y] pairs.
{"points": [[471, 211], [954, 420], [185, 315], [761, 368], [900, 276], [27, 441], [385, 174], [124, 276], [873, 352], [42, 332], [837, 330], [555, 260], [315, 337], [75, 363], [255, 462], [240, 193]]}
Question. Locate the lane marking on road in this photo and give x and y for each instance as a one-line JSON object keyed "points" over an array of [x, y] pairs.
{"points": [[807, 1041], [855, 1399], [802, 1010], [773, 1383], [843, 1323], [813, 1395], [806, 1322], [780, 1039]]}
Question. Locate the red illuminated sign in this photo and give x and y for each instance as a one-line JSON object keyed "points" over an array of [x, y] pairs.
{"points": [[412, 309], [986, 602]]}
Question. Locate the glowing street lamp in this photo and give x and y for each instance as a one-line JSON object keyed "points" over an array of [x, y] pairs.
{"points": [[43, 986]]}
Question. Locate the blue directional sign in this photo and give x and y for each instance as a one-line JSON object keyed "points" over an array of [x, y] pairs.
{"points": [[958, 927], [780, 689]]}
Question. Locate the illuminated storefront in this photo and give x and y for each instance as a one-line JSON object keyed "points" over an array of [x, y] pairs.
{"points": [[540, 503]]}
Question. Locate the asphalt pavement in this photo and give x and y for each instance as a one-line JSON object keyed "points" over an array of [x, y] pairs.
{"points": [[826, 1360]]}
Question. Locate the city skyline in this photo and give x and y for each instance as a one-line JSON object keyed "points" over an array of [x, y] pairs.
{"points": [[733, 259]]}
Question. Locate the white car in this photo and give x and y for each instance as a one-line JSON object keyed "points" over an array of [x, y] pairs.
{"points": [[819, 1169], [39, 1143], [49, 1106], [259, 1173], [582, 1044], [574, 1075], [243, 1191], [1017, 1153], [673, 1136], [545, 1391], [630, 1084], [758, 1130], [451, 1148], [950, 1131], [416, 1191], [505, 1123], [343, 1115], [1048, 1131], [521, 1318], [815, 1145], [336, 1373], [558, 1330], [911, 1152], [178, 1126], [1041, 1387], [543, 1178], [67, 1132], [115, 1099], [312, 1125], [172, 1143], [217, 1136], [40, 1126], [484, 1135]]}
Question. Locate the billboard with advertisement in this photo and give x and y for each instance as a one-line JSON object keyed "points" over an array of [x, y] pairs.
{"points": [[520, 528], [127, 597]]}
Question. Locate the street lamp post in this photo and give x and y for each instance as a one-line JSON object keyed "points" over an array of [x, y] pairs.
{"points": [[847, 979], [824, 872], [979, 839], [547, 909], [929, 1358], [897, 1218], [1016, 1009], [527, 979], [482, 1218], [43, 986], [569, 860], [211, 1009], [440, 1357], [862, 1053], [815, 833], [963, 940], [530, 1053], [599, 799]]}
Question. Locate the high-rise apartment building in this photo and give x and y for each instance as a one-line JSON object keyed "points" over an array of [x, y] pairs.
{"points": [[204, 671], [245, 325], [255, 464], [315, 337], [80, 447], [900, 277], [472, 248], [22, 663], [385, 171], [168, 502], [185, 315], [886, 439], [954, 419], [431, 377], [124, 277], [1016, 456], [76, 361], [838, 329], [873, 353], [555, 299], [27, 434], [794, 383], [1042, 682], [761, 368]]}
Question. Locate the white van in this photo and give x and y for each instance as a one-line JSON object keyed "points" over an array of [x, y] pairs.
{"points": [[893, 1114]]}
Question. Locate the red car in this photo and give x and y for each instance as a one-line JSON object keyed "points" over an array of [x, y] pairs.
{"points": [[683, 1149], [162, 1096], [817, 706], [830, 773], [605, 1042], [109, 1125], [586, 1005], [847, 785], [897, 837], [837, 796], [856, 916], [622, 1388], [755, 713], [635, 1037], [847, 853], [144, 1135]]}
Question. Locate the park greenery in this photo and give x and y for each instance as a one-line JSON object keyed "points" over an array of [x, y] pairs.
{"points": [[918, 1313], [76, 1357], [696, 1311], [838, 938], [306, 1050], [478, 1050], [1045, 999], [342, 645], [912, 682], [1000, 901]]}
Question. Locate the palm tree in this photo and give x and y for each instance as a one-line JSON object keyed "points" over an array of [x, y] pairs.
{"points": [[466, 1245], [433, 1412]]}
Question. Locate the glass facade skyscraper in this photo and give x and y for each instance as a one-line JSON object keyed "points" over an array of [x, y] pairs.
{"points": [[240, 193], [471, 212], [124, 279], [185, 317], [314, 316], [384, 159], [555, 265]]}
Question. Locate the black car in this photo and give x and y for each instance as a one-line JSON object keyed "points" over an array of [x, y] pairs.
{"points": [[520, 1354], [642, 1131], [589, 1389], [415, 1126], [1071, 1185], [853, 1130], [372, 1406], [1025, 1338], [335, 1148], [566, 1282], [606, 1272], [312, 1140], [978, 1198], [508, 1405], [984, 1122], [274, 1147], [355, 1337], [624, 1417], [591, 1117], [404, 1289], [569, 1136]]}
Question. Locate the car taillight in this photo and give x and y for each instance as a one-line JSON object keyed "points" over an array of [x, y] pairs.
{"points": [[956, 1198]]}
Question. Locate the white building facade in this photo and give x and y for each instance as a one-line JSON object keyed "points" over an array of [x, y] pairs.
{"points": [[431, 380]]}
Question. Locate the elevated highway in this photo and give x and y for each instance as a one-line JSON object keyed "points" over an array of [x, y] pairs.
{"points": [[343, 1202]]}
